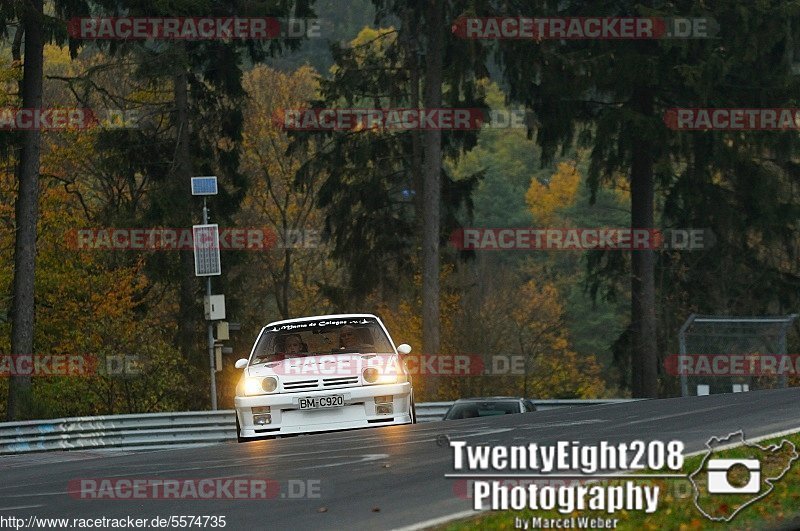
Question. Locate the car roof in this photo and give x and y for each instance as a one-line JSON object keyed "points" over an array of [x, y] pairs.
{"points": [[333, 316]]}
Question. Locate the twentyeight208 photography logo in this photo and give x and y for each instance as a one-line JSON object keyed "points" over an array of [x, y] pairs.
{"points": [[586, 485]]}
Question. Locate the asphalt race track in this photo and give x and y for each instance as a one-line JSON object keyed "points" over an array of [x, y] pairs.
{"points": [[380, 478]]}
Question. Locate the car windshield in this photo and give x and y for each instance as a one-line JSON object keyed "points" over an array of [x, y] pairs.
{"points": [[321, 336], [467, 410]]}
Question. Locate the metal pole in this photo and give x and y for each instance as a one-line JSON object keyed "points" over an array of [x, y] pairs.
{"points": [[682, 352], [782, 352], [211, 354], [210, 330], [782, 345]]}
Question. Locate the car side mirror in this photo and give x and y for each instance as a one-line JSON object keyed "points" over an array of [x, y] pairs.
{"points": [[241, 364], [405, 348]]}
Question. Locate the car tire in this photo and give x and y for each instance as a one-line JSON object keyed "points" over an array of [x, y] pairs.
{"points": [[239, 437]]}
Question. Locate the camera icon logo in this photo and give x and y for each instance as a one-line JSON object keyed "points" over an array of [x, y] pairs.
{"points": [[745, 477], [719, 481]]}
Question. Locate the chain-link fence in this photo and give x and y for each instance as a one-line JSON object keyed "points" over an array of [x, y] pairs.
{"points": [[732, 354]]}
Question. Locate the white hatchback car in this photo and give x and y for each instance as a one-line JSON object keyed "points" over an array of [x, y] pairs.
{"points": [[323, 373]]}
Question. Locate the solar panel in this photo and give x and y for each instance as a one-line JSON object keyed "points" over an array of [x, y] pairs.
{"points": [[204, 185], [206, 250]]}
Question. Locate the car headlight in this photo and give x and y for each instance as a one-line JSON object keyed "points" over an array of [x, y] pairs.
{"points": [[269, 384], [259, 386], [371, 375], [252, 386], [390, 376]]}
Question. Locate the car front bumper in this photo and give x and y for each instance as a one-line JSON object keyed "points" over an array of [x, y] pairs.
{"points": [[359, 411]]}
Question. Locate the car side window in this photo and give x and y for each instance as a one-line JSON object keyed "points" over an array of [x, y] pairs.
{"points": [[528, 405]]}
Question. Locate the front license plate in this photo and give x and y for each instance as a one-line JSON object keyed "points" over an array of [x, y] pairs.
{"points": [[318, 402]]}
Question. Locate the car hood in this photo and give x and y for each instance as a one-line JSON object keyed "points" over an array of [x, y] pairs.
{"points": [[325, 366]]}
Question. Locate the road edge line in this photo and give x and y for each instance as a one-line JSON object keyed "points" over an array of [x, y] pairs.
{"points": [[758, 439], [425, 524]]}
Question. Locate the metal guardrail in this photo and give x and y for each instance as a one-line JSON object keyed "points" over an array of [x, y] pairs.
{"points": [[118, 432], [168, 430]]}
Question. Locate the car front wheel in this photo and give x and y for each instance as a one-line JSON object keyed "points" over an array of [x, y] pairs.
{"points": [[239, 437]]}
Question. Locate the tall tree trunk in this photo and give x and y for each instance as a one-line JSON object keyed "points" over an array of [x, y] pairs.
{"points": [[183, 173], [285, 285], [644, 363], [432, 189], [27, 212], [412, 52]]}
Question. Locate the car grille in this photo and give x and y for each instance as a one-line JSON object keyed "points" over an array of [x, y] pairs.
{"points": [[316, 383], [300, 385], [341, 380]]}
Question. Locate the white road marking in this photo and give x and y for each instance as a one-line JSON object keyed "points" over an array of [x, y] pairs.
{"points": [[483, 432], [433, 522], [783, 433], [681, 414], [364, 459], [562, 424]]}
